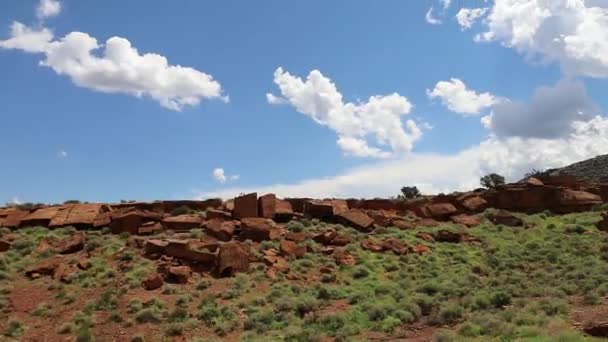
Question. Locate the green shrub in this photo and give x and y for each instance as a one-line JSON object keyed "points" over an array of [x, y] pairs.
{"points": [[14, 328]]}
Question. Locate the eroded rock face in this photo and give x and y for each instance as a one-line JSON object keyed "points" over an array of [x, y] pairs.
{"points": [[44, 267], [152, 282], [130, 219], [233, 258], [41, 217], [211, 214], [12, 218], [267, 206], [78, 215], [245, 206], [438, 210], [333, 238], [178, 274], [344, 258], [182, 249]]}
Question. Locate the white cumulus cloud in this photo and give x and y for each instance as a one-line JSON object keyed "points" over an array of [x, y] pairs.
{"points": [[466, 17], [573, 33], [220, 176], [430, 18], [434, 173], [48, 8], [457, 98], [356, 124], [116, 67]]}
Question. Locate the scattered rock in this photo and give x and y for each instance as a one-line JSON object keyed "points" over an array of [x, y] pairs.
{"points": [[84, 263], [372, 245], [257, 229], [149, 228], [232, 258], [130, 219], [472, 202], [178, 274], [421, 249], [466, 220], [403, 225], [356, 218], [425, 236], [71, 244], [438, 210], [181, 249], [344, 258], [153, 281], [448, 236], [183, 222], [154, 246], [291, 249], [44, 267], [223, 230], [395, 245], [278, 263], [506, 218], [333, 238], [4, 245], [297, 237], [427, 223], [211, 214], [246, 206]]}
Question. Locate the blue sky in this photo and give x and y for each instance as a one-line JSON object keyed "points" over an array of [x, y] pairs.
{"points": [[66, 136]]}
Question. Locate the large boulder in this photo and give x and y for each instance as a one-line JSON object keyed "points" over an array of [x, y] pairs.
{"points": [[466, 220], [183, 222], [245, 206], [78, 215], [218, 214], [130, 219], [292, 249], [232, 258], [182, 249], [72, 243], [13, 218], [178, 274], [44, 267], [357, 219], [41, 217], [574, 201], [333, 238], [472, 202], [325, 209], [222, 230], [258, 229], [440, 211], [505, 218], [267, 206]]}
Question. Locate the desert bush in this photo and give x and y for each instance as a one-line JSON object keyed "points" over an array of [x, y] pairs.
{"points": [[14, 328], [409, 192], [183, 210], [492, 180]]}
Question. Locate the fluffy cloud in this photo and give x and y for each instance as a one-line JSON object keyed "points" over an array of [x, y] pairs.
{"points": [[445, 4], [432, 173], [466, 17], [48, 8], [573, 33], [355, 123], [455, 95], [119, 68], [430, 18], [220, 176], [550, 113], [62, 154]]}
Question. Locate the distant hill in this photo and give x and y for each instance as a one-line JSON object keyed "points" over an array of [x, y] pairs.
{"points": [[590, 170]]}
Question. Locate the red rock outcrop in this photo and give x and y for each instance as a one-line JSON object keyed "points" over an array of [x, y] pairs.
{"points": [[222, 230], [357, 219], [233, 258], [245, 206], [183, 222], [267, 206]]}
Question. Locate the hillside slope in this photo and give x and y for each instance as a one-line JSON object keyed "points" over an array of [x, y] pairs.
{"points": [[591, 170]]}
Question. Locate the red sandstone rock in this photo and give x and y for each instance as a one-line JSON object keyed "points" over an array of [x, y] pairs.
{"points": [[421, 249], [448, 236], [466, 220], [152, 282], [103, 219], [13, 218], [41, 217], [473, 203], [506, 218], [297, 237], [438, 210], [78, 215], [232, 258], [403, 224], [71, 244], [283, 210], [183, 222], [425, 236], [257, 229], [149, 228], [357, 219], [130, 219], [343, 257], [246, 206], [154, 246], [427, 223], [211, 214], [372, 245], [395, 245], [181, 249], [223, 230], [267, 206], [333, 238], [84, 263], [291, 249], [44, 267], [4, 245], [179, 274]]}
